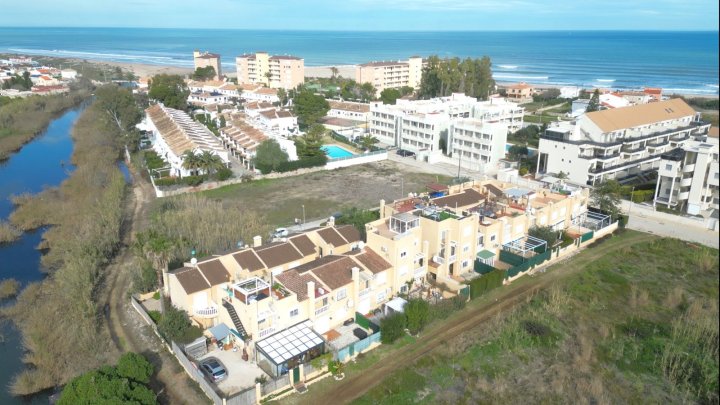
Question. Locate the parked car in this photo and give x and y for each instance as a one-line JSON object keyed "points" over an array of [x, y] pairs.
{"points": [[405, 153], [213, 369], [280, 233]]}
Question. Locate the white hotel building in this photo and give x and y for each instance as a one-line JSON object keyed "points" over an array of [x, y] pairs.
{"points": [[688, 177], [478, 128], [620, 143]]}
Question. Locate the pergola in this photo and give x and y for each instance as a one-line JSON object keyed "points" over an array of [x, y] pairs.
{"points": [[596, 220], [524, 245]]}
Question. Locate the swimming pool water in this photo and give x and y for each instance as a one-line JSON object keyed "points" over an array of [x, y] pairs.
{"points": [[335, 152]]}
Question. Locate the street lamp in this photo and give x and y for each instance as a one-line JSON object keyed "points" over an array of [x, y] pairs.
{"points": [[303, 208], [632, 201]]}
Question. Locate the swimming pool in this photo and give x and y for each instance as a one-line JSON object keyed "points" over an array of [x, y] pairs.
{"points": [[335, 152]]}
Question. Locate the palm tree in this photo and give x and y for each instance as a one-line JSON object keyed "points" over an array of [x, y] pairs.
{"points": [[368, 141], [191, 161], [210, 162], [159, 250]]}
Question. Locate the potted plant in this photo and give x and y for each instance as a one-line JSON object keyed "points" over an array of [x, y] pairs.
{"points": [[336, 368]]}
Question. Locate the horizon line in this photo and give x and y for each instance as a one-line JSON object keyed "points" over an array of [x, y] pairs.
{"points": [[715, 30]]}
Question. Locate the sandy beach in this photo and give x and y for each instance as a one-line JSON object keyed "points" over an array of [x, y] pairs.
{"points": [[346, 71]]}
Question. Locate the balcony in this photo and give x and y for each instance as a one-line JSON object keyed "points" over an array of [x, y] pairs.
{"points": [[420, 271], [686, 182], [364, 292], [689, 168], [266, 332], [211, 311], [438, 259], [322, 309]]}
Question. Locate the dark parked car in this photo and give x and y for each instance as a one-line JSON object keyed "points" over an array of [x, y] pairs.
{"points": [[405, 153], [213, 369]]}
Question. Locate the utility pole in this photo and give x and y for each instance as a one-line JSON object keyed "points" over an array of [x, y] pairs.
{"points": [[631, 200], [303, 209]]}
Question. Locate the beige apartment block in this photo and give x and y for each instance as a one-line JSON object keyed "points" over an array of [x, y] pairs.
{"points": [[445, 235], [277, 71], [391, 74], [205, 59]]}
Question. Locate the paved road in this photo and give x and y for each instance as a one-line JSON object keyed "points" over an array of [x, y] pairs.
{"points": [[644, 219]]}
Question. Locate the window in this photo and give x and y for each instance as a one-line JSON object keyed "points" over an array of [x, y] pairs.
{"points": [[492, 238], [466, 248], [465, 263], [324, 301], [668, 167], [294, 312], [380, 296], [480, 240], [403, 254], [341, 294]]}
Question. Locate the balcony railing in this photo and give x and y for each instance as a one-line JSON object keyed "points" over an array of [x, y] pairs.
{"points": [[266, 332], [210, 311], [438, 259], [322, 309], [420, 271]]}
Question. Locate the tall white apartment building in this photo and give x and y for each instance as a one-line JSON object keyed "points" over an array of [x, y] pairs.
{"points": [[620, 143], [477, 144], [392, 74], [688, 177], [278, 71], [419, 125]]}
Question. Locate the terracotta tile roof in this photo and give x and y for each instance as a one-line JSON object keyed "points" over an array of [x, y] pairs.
{"points": [[335, 273], [296, 283], [303, 244], [349, 233], [275, 114], [191, 280], [643, 114], [467, 197], [248, 260], [371, 260], [214, 271], [341, 105], [265, 90], [520, 86], [331, 236], [277, 254], [652, 90], [258, 105], [180, 132], [436, 187]]}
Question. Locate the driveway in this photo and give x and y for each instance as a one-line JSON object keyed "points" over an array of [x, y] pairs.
{"points": [[241, 373]]}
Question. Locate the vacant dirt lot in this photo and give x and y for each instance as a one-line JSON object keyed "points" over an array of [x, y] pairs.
{"points": [[327, 192]]}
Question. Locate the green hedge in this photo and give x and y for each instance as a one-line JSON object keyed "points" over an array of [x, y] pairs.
{"points": [[489, 281], [314, 161]]}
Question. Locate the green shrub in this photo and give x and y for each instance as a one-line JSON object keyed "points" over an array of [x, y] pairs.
{"points": [[167, 181], [144, 278], [193, 180], [485, 283], [155, 316], [392, 327], [175, 325], [288, 166], [223, 174], [417, 312], [135, 367]]}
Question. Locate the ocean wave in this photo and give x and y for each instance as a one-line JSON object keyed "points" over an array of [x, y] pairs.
{"points": [[605, 80], [511, 67], [519, 77], [714, 86], [689, 91]]}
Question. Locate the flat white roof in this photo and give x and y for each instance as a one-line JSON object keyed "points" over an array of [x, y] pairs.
{"points": [[397, 304]]}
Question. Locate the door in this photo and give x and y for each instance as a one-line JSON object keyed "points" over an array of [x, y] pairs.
{"points": [[296, 375]]}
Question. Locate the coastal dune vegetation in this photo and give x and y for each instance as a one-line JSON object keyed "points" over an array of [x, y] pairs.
{"points": [[638, 326], [22, 119], [59, 317], [8, 233]]}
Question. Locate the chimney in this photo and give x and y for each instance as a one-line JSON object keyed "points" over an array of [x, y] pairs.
{"points": [[311, 298], [356, 283], [382, 209], [355, 273], [257, 241]]}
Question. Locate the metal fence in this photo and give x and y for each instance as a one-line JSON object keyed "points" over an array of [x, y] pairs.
{"points": [[197, 375], [357, 347]]}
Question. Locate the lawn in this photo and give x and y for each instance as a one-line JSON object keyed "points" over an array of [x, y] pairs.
{"points": [[639, 326], [326, 192]]}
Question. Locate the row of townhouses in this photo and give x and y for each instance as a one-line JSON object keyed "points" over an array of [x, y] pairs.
{"points": [[172, 132], [474, 132], [319, 279]]}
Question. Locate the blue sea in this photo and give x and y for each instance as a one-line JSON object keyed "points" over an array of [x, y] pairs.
{"points": [[682, 62]]}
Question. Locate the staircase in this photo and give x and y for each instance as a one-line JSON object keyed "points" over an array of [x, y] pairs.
{"points": [[235, 318]]}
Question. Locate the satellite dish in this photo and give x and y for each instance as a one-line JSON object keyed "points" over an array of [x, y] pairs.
{"points": [[193, 261], [361, 245]]}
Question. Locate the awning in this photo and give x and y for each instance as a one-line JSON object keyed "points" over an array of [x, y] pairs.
{"points": [[396, 304], [220, 331], [485, 254]]}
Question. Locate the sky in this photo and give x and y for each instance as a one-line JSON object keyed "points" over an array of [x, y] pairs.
{"points": [[350, 15]]}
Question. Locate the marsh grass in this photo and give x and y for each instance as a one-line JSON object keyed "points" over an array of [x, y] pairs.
{"points": [[8, 233]]}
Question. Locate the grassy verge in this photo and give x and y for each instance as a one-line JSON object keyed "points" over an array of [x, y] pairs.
{"points": [[636, 326], [540, 119], [23, 119]]}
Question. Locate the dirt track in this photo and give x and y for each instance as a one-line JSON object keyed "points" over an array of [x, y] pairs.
{"points": [[127, 330], [355, 386]]}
